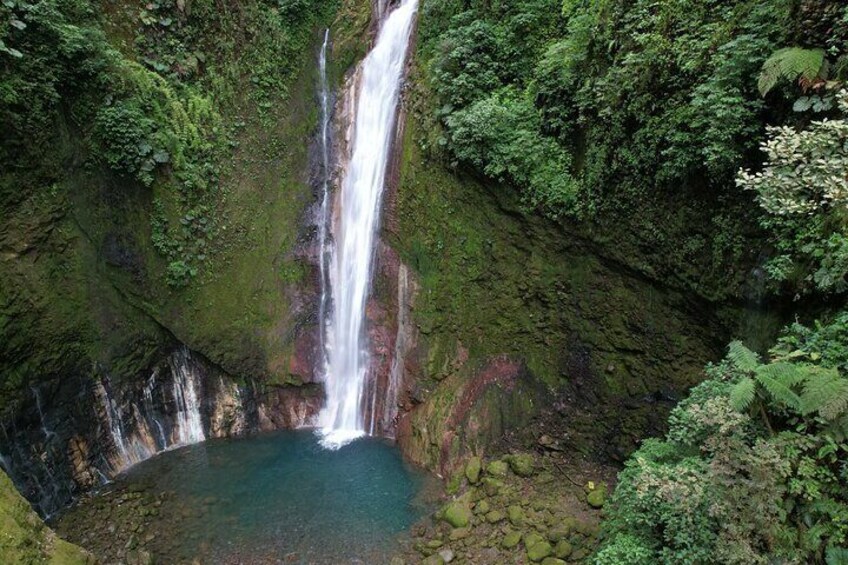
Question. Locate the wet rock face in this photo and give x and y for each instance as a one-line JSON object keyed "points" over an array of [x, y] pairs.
{"points": [[77, 433]]}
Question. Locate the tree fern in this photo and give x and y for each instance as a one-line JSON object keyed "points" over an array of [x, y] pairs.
{"points": [[741, 357], [788, 374], [776, 386], [742, 394], [825, 392], [789, 64]]}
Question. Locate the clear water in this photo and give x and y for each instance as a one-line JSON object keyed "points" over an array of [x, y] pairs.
{"points": [[283, 497]]}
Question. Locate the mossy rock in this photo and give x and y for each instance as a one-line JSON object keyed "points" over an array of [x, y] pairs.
{"points": [[482, 507], [516, 515], [495, 516], [435, 543], [597, 498], [539, 550], [472, 470], [457, 534], [493, 487], [457, 513], [511, 539], [563, 549], [497, 468], [522, 464], [434, 559], [552, 561]]}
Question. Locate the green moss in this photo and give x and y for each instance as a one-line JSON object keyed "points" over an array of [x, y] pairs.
{"points": [[25, 539], [457, 513], [472, 470]]}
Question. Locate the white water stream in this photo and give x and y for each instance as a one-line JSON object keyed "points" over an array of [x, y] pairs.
{"points": [[342, 418]]}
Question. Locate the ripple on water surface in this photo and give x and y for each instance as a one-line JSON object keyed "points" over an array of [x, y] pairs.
{"points": [[281, 498]]}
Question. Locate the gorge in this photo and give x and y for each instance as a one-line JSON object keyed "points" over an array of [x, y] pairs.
{"points": [[423, 281]]}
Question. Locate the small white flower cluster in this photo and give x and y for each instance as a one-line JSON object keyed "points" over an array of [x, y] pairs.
{"points": [[806, 171]]}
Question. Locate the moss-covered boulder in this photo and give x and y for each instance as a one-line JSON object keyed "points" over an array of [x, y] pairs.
{"points": [[482, 507], [516, 515], [457, 513], [522, 464], [537, 547], [511, 539], [472, 470], [494, 516], [563, 549], [25, 539], [552, 561], [497, 468], [597, 495], [492, 487]]}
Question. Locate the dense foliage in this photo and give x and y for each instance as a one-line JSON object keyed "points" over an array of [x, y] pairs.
{"points": [[611, 111], [154, 120], [753, 467], [804, 191]]}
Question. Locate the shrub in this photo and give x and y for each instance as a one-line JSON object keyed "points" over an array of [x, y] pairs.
{"points": [[752, 468]]}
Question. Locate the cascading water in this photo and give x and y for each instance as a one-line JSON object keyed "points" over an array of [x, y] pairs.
{"points": [[132, 432], [342, 419], [189, 426], [324, 219]]}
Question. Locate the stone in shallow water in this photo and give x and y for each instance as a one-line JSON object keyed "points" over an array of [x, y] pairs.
{"points": [[446, 555]]}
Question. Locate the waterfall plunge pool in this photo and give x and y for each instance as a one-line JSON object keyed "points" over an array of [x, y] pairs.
{"points": [[272, 498]]}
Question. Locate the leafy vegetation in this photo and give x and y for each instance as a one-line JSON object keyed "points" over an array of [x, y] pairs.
{"points": [[752, 468], [608, 111], [804, 192]]}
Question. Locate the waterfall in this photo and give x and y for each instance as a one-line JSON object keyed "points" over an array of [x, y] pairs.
{"points": [[342, 417], [130, 425], [47, 433], [189, 425], [324, 219]]}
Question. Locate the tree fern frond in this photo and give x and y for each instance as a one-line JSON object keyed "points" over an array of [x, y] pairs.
{"points": [[788, 374], [742, 358], [789, 64], [825, 392], [776, 388], [838, 428], [742, 394]]}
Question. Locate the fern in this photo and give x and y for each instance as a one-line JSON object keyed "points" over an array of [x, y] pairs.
{"points": [[776, 386], [789, 64], [825, 392], [788, 374], [742, 393], [836, 556], [741, 357]]}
